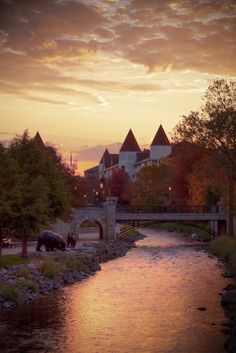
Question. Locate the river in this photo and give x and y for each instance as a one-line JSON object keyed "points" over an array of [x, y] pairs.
{"points": [[145, 302]]}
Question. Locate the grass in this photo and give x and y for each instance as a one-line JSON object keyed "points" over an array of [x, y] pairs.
{"points": [[27, 283], [182, 228], [9, 293], [12, 259], [49, 268], [74, 264], [129, 233], [224, 247], [22, 272]]}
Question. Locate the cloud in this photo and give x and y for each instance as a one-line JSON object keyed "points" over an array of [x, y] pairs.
{"points": [[95, 153], [5, 133], [43, 43]]}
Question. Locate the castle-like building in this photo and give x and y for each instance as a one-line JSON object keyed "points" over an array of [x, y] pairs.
{"points": [[130, 157]]}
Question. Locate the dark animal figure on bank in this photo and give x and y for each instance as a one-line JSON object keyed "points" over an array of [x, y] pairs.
{"points": [[71, 240], [51, 241]]}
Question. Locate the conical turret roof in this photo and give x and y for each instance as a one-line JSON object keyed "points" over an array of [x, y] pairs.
{"points": [[130, 143], [106, 159], [160, 138], [38, 140]]}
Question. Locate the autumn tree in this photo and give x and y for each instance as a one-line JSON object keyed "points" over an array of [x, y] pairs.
{"points": [[36, 194], [151, 187], [182, 160], [119, 185], [214, 127], [206, 182]]}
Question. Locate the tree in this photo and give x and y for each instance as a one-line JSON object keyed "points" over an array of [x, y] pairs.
{"points": [[151, 186], [37, 195], [75, 184], [119, 185], [8, 180], [184, 157], [214, 127]]}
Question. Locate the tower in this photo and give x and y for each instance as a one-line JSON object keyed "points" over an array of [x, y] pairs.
{"points": [[160, 146], [128, 154]]}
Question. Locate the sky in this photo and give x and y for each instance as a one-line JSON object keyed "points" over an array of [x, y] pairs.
{"points": [[83, 72]]}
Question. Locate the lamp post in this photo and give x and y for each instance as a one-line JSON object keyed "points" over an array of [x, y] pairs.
{"points": [[169, 189], [101, 193]]}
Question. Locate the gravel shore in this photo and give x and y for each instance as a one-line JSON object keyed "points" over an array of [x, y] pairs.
{"points": [[30, 282]]}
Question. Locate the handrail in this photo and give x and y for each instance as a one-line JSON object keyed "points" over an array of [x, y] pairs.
{"points": [[167, 209]]}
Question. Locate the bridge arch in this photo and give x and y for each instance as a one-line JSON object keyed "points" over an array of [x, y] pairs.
{"points": [[146, 224], [98, 222]]}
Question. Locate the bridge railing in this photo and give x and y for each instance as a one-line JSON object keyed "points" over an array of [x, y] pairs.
{"points": [[167, 209]]}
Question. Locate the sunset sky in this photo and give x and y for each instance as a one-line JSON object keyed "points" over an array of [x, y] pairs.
{"points": [[83, 72]]}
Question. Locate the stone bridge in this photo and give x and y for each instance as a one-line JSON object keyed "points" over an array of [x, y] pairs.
{"points": [[108, 215]]}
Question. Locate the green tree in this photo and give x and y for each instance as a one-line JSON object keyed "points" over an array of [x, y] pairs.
{"points": [[151, 186], [8, 168], [74, 183], [214, 127], [38, 195]]}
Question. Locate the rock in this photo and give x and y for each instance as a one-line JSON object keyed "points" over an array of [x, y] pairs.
{"points": [[230, 344], [226, 330], [229, 298], [227, 275], [230, 286], [7, 305]]}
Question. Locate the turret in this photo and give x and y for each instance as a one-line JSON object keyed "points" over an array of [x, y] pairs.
{"points": [[128, 154], [160, 146]]}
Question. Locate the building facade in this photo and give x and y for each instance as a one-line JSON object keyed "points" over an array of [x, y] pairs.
{"points": [[130, 157]]}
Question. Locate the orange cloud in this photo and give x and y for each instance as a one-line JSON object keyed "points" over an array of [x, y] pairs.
{"points": [[43, 41]]}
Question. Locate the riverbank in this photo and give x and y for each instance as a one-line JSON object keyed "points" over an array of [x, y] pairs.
{"points": [[224, 247], [44, 272]]}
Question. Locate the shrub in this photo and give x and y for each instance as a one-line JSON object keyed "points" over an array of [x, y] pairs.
{"points": [[74, 264], [10, 294], [22, 272], [27, 283], [225, 248], [49, 268]]}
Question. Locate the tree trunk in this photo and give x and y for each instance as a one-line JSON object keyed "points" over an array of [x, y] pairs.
{"points": [[24, 252]]}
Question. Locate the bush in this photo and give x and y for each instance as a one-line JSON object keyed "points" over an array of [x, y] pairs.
{"points": [[22, 272], [74, 264], [49, 268], [27, 283], [225, 248], [10, 294]]}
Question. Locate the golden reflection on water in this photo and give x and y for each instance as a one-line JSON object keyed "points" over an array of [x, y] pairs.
{"points": [[147, 302]]}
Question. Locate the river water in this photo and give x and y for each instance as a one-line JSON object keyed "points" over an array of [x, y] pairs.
{"points": [[145, 302]]}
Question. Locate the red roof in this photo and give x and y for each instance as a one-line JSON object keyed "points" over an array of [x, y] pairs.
{"points": [[106, 159], [141, 156], [38, 140], [160, 138], [109, 159], [114, 158], [130, 144]]}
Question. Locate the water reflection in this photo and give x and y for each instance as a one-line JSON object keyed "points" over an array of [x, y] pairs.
{"points": [[145, 302]]}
